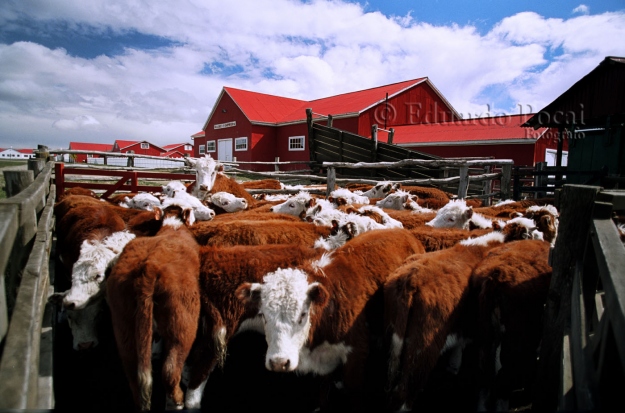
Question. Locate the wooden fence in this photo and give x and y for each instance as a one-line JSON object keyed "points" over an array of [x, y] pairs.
{"points": [[582, 355], [26, 237]]}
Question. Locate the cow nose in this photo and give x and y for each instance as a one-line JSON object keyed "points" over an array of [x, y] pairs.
{"points": [[203, 187], [271, 209], [86, 345], [279, 364], [244, 203], [69, 305]]}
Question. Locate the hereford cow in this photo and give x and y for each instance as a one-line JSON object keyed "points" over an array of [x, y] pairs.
{"points": [[295, 205], [153, 287], [455, 214], [143, 200], [511, 285], [381, 190], [222, 270], [248, 232], [318, 316], [434, 239], [401, 200], [343, 196], [546, 219], [427, 311], [206, 170], [223, 183], [262, 184], [225, 202]]}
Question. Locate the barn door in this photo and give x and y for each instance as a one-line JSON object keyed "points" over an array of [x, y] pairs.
{"points": [[224, 150]]}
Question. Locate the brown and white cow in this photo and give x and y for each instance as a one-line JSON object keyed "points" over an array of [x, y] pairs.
{"points": [[222, 270], [428, 310], [511, 285], [314, 315], [155, 282], [455, 214], [248, 232], [206, 170]]}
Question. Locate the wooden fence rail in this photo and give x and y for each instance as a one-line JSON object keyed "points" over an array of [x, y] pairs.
{"points": [[26, 233]]}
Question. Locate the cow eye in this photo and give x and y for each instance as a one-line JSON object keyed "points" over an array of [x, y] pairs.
{"points": [[302, 317]]}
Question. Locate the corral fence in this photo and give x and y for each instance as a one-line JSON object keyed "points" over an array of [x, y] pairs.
{"points": [[582, 355], [26, 320]]}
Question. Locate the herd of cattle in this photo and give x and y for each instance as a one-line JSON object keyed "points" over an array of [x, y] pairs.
{"points": [[399, 277]]}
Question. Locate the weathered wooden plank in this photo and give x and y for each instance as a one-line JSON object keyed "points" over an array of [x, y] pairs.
{"points": [[8, 232], [575, 205], [421, 162], [20, 359]]}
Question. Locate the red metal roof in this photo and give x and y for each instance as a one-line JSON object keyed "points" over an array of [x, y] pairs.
{"points": [[497, 128], [199, 134], [125, 144], [87, 146], [175, 145], [260, 107]]}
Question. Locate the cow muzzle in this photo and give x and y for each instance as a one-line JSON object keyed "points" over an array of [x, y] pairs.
{"points": [[279, 364]]}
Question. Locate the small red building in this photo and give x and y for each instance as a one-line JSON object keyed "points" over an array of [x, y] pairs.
{"points": [[86, 146], [138, 147], [178, 150]]}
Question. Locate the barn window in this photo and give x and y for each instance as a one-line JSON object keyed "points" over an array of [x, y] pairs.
{"points": [[202, 149], [296, 143], [145, 145], [240, 144], [210, 146], [188, 147]]}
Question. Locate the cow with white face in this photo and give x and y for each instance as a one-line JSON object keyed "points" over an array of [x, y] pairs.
{"points": [[226, 202], [313, 314], [143, 200], [344, 196], [295, 205], [381, 190], [455, 214], [323, 212], [173, 186], [206, 170]]}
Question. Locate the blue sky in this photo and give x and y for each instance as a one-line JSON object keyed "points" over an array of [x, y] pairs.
{"points": [[100, 70]]}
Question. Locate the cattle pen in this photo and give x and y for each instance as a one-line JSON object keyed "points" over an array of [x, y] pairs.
{"points": [[582, 359]]}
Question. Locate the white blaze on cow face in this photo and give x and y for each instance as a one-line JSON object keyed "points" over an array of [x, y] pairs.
{"points": [[455, 214], [88, 271], [205, 174], [173, 186], [396, 200], [285, 300], [228, 202], [295, 205]]}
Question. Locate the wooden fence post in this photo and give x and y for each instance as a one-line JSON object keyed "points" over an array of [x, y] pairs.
{"points": [[17, 181], [329, 121], [504, 183], [276, 166], [331, 181], [487, 187], [540, 180], [374, 142], [575, 206], [311, 140], [463, 184], [391, 134]]}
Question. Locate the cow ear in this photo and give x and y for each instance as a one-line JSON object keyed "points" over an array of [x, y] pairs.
{"points": [[57, 298], [469, 212], [188, 216], [220, 168], [158, 213], [249, 293], [335, 227], [317, 294], [396, 186], [309, 203]]}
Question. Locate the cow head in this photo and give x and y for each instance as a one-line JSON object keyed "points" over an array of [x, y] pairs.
{"points": [[285, 300], [381, 190], [455, 214], [144, 201], [228, 202], [521, 228], [173, 186], [396, 200], [83, 322], [88, 272], [295, 205], [206, 170]]}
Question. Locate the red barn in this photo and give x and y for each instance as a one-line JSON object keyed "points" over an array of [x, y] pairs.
{"points": [[252, 126], [138, 147], [86, 146]]}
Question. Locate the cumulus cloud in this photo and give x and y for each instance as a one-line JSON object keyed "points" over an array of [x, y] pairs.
{"points": [[581, 9], [303, 50]]}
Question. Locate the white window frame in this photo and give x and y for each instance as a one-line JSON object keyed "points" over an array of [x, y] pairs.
{"points": [[201, 149], [238, 141], [188, 147], [300, 138], [145, 145], [211, 148]]}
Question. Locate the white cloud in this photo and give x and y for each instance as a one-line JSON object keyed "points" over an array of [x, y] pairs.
{"points": [[581, 9], [304, 50]]}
